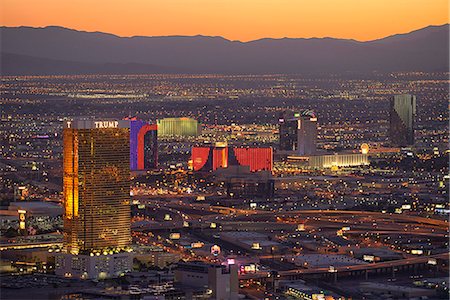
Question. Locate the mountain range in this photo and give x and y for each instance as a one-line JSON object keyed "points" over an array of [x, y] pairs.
{"points": [[58, 50]]}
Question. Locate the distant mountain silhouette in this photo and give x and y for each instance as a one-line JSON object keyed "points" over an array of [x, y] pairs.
{"points": [[57, 50]]}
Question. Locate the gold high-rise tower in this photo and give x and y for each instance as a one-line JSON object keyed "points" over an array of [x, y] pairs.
{"points": [[96, 186]]}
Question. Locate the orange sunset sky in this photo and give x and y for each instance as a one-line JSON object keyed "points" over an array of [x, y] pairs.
{"points": [[233, 19]]}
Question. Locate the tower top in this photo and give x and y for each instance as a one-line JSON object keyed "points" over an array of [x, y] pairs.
{"points": [[95, 124]]}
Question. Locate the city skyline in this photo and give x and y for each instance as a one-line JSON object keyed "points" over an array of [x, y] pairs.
{"points": [[251, 20], [225, 199]]}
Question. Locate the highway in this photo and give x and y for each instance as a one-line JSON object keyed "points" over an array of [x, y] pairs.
{"points": [[316, 221], [365, 267]]}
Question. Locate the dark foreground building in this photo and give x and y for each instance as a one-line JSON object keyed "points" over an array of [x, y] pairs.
{"points": [[401, 120]]}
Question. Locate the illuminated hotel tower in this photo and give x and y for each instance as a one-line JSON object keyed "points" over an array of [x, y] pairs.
{"points": [[401, 122], [298, 132], [96, 180], [178, 127]]}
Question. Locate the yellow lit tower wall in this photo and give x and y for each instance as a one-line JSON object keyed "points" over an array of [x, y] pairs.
{"points": [[70, 188], [178, 127], [96, 186]]}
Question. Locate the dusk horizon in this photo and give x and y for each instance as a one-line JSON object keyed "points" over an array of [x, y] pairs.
{"points": [[232, 19], [231, 40]]}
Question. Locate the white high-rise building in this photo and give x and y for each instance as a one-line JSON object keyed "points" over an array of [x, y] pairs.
{"points": [[221, 280], [298, 132]]}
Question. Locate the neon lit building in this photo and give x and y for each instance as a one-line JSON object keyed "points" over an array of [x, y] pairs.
{"points": [[212, 158], [178, 127], [401, 120], [143, 145], [96, 185], [298, 132]]}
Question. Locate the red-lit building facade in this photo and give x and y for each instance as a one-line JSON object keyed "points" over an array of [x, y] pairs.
{"points": [[207, 159]]}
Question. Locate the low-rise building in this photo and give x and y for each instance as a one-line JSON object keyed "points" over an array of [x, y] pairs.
{"points": [[98, 266], [222, 281], [298, 289]]}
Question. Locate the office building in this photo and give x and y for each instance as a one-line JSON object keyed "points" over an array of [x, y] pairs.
{"points": [[298, 132], [221, 156], [178, 127], [143, 145], [401, 121], [221, 280], [96, 166]]}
